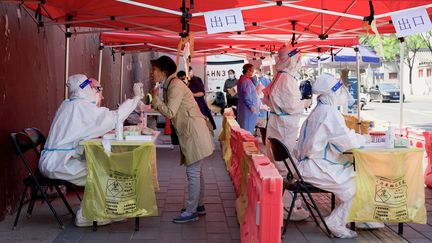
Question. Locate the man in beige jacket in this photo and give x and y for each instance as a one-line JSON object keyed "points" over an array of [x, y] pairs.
{"points": [[195, 140]]}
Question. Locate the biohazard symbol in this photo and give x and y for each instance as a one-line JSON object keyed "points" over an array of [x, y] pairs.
{"points": [[382, 195], [114, 187]]}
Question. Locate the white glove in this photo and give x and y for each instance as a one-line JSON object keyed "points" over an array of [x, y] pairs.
{"points": [[138, 90], [307, 103]]}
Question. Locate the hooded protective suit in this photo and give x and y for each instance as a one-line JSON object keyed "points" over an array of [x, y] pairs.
{"points": [[323, 138], [78, 118], [283, 98]]}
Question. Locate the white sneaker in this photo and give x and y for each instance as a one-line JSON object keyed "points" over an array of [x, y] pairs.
{"points": [[369, 225]]}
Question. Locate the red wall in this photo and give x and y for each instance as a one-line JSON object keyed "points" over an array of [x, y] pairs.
{"points": [[32, 84]]}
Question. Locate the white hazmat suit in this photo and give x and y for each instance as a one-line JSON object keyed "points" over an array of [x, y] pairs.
{"points": [[283, 97], [323, 138], [77, 119]]}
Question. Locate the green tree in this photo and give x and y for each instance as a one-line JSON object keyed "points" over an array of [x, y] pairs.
{"points": [[391, 48]]}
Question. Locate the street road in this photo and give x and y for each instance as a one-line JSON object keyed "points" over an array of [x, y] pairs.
{"points": [[417, 112]]}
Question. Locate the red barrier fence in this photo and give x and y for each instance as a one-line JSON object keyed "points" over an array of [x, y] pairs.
{"points": [[262, 221]]}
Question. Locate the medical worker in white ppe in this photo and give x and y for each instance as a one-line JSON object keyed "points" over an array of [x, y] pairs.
{"points": [[79, 118], [283, 97], [324, 136]]}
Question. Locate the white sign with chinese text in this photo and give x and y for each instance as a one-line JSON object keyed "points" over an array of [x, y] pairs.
{"points": [[411, 22], [226, 20]]}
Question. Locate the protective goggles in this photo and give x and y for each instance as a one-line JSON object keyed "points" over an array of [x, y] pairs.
{"points": [[89, 82], [337, 86], [293, 52]]}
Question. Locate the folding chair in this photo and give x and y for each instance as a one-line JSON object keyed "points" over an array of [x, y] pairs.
{"points": [[35, 181], [39, 140], [294, 182]]}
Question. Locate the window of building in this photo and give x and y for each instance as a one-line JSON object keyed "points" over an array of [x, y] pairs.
{"points": [[428, 72], [420, 73], [393, 75]]}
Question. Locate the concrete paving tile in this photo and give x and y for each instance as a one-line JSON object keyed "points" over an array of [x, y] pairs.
{"points": [[215, 217], [418, 240], [194, 234], [201, 223], [170, 227], [227, 195], [214, 208], [194, 241], [228, 203], [173, 207], [317, 237], [169, 237], [222, 237], [232, 222], [212, 199], [146, 233], [420, 227], [173, 193], [225, 183], [168, 216], [121, 237], [175, 199], [217, 227], [230, 212], [211, 192], [180, 186], [226, 189], [212, 186], [235, 234], [95, 235], [150, 222], [142, 241]]}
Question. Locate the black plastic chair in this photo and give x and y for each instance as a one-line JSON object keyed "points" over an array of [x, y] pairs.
{"points": [[39, 139], [23, 144], [294, 182]]}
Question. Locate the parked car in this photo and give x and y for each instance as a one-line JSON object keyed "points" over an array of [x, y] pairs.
{"points": [[385, 92]]}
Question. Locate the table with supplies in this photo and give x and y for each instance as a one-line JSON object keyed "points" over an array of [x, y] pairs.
{"points": [[389, 186], [121, 180]]}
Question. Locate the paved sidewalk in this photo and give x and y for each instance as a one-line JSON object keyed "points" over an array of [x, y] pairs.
{"points": [[219, 225]]}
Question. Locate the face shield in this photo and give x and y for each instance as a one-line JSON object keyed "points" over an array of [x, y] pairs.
{"points": [[289, 60]]}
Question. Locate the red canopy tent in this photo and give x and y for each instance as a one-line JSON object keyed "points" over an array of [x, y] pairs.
{"points": [[264, 20]]}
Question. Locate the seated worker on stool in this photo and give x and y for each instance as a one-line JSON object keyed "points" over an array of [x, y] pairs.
{"points": [[324, 136], [79, 118]]}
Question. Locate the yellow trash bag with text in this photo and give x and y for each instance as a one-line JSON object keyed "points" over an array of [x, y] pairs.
{"points": [[119, 184], [389, 186]]}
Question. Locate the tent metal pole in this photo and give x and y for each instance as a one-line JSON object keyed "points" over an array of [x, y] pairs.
{"points": [[358, 88], [351, 16], [101, 47], [264, 5], [121, 78], [401, 72], [165, 10], [378, 16], [68, 34]]}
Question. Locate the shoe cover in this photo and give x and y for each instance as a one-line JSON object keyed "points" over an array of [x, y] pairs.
{"points": [[342, 232], [80, 221], [369, 225], [298, 213]]}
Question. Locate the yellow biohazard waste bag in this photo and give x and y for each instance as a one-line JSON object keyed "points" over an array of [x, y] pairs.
{"points": [[119, 184], [389, 186]]}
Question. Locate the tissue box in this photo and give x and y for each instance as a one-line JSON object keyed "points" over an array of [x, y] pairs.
{"points": [[401, 143]]}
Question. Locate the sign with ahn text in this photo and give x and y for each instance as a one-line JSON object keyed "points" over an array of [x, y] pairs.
{"points": [[411, 22], [217, 73], [226, 20]]}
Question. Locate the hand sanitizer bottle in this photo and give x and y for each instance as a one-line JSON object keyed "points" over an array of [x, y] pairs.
{"points": [[389, 137]]}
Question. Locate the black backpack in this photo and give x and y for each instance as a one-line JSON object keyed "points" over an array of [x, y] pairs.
{"points": [[306, 89]]}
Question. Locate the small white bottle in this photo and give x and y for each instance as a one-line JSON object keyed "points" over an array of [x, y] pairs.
{"points": [[389, 137], [119, 131]]}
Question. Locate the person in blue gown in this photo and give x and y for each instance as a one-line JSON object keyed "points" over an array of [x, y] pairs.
{"points": [[247, 113]]}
